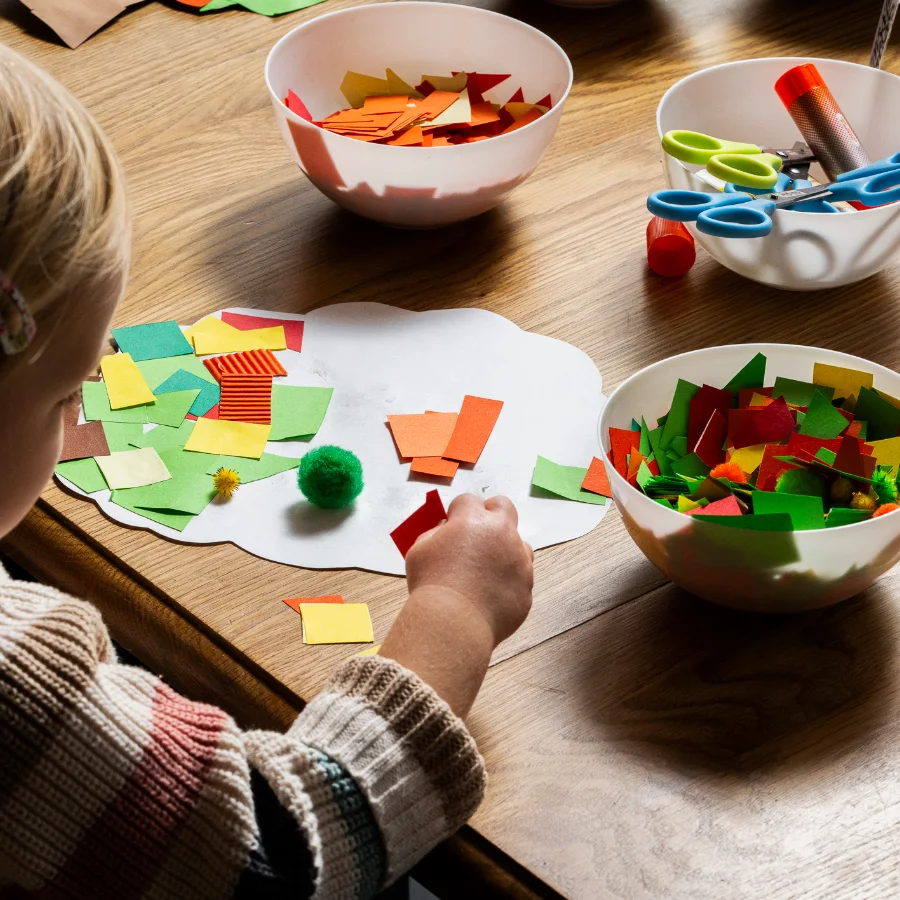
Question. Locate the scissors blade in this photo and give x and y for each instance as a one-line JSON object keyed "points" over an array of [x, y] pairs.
{"points": [[798, 195], [796, 161]]}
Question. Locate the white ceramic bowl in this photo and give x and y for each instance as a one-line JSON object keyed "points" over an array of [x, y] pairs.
{"points": [[415, 187], [804, 251], [764, 572]]}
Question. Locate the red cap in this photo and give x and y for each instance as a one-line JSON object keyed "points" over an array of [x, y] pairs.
{"points": [[670, 248], [796, 82]]}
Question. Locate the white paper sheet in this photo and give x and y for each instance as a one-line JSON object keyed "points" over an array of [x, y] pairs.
{"points": [[382, 360]]}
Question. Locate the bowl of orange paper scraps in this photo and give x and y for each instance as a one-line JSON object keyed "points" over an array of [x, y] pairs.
{"points": [[417, 115], [763, 476]]}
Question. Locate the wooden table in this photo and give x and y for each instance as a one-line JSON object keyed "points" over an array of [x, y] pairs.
{"points": [[665, 748]]}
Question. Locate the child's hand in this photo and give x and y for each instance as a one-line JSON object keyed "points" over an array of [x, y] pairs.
{"points": [[470, 583], [478, 555]]}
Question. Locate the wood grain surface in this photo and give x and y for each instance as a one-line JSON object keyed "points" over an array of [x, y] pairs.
{"points": [[662, 748]]}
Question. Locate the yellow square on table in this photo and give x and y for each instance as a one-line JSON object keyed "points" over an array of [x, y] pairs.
{"points": [[336, 623], [125, 385], [224, 438]]}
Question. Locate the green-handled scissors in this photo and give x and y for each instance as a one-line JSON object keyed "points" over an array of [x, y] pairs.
{"points": [[745, 165]]}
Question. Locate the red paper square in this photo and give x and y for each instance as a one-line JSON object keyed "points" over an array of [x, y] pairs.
{"points": [[426, 517]]}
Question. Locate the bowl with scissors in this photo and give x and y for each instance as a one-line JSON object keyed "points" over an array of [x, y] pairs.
{"points": [[766, 200]]}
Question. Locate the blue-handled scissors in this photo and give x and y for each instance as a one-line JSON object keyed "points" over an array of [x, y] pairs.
{"points": [[875, 168], [743, 215], [784, 183]]}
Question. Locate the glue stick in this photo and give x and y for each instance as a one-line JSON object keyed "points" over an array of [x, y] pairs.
{"points": [[670, 248], [824, 127]]}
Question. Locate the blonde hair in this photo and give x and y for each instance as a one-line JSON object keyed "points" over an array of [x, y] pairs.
{"points": [[63, 218]]}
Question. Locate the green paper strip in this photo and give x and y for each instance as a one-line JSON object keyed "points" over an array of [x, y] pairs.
{"points": [[298, 412], [679, 413], [806, 512], [564, 481], [156, 371], [799, 393], [170, 409], [176, 520], [261, 7], [771, 522], [690, 466], [96, 406], [841, 515], [189, 490], [164, 437], [119, 435], [883, 417], [84, 474], [822, 420]]}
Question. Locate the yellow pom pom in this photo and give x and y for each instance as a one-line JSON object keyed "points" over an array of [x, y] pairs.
{"points": [[226, 481], [862, 501]]}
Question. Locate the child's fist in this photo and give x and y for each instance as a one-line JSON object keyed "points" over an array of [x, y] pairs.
{"points": [[478, 555]]}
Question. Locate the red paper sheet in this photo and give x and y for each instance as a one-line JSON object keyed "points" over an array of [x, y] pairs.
{"points": [[298, 107], [703, 403], [426, 517], [473, 428], [770, 467], [727, 506], [597, 481], [773, 423], [621, 442], [851, 460], [293, 329], [710, 446]]}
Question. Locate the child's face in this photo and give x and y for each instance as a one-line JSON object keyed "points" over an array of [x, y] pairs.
{"points": [[34, 398]]}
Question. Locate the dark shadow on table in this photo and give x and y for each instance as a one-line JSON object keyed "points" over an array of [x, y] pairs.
{"points": [[695, 686]]}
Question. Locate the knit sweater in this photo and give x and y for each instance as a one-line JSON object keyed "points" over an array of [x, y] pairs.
{"points": [[112, 785]]}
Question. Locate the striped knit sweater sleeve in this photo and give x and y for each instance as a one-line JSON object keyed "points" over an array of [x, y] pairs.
{"points": [[114, 786]]}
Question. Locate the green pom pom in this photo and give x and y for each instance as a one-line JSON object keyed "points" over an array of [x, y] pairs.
{"points": [[801, 481], [884, 486], [330, 477]]}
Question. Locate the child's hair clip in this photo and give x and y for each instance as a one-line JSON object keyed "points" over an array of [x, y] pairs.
{"points": [[17, 326]]}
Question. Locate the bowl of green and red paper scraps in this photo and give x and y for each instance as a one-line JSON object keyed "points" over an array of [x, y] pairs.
{"points": [[760, 476]]}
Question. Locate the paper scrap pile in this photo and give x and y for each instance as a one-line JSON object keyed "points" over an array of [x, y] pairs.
{"points": [[792, 456], [438, 112], [163, 421]]}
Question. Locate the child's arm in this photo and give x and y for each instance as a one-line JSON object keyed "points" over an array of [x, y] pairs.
{"points": [[112, 783]]}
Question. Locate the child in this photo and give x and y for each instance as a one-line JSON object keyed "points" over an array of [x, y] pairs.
{"points": [[112, 785]]}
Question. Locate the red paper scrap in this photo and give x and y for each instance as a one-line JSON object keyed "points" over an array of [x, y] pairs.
{"points": [[710, 448], [476, 421], [517, 97], [296, 106], [426, 517], [851, 460], [727, 506], [621, 442], [477, 84], [770, 467], [247, 362], [293, 328], [767, 425], [597, 481], [294, 602], [703, 403]]}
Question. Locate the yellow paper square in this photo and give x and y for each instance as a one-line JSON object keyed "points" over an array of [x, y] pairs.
{"points": [[133, 468], [225, 438], [124, 383], [846, 382], [209, 325], [206, 342], [336, 623], [748, 458], [887, 452], [356, 87]]}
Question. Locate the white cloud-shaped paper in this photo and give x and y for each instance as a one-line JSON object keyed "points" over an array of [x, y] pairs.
{"points": [[381, 360]]}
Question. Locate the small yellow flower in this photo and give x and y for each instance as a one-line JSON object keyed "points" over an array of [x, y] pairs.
{"points": [[226, 481]]}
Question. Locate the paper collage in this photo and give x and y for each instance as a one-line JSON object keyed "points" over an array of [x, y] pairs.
{"points": [[360, 366]]}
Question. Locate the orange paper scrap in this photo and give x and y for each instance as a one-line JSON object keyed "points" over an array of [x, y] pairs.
{"points": [[597, 481], [246, 398], [434, 465], [473, 428], [422, 435], [247, 362], [294, 602]]}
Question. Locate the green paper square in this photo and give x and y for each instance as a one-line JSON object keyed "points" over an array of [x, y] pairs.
{"points": [[679, 445], [659, 454], [564, 481], [882, 417], [84, 474], [255, 469], [679, 413], [153, 341], [156, 371], [841, 515], [120, 435], [95, 401], [799, 393], [827, 456], [644, 475], [769, 522], [752, 375], [182, 380], [170, 409], [690, 466], [189, 490], [822, 420], [164, 437], [807, 513], [644, 446], [173, 519], [298, 412]]}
